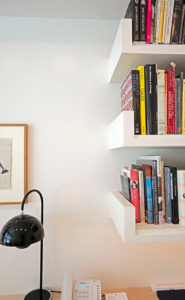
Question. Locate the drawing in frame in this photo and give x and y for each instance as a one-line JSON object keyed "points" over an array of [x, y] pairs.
{"points": [[13, 163]]}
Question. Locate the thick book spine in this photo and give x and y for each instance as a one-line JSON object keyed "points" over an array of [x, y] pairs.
{"points": [[134, 189], [183, 107], [135, 21], [148, 21], [136, 100], [178, 106], [181, 195], [169, 21], [176, 21], [171, 101], [152, 21], [161, 22], [143, 20], [168, 203], [175, 209], [161, 101], [142, 99], [151, 98]]}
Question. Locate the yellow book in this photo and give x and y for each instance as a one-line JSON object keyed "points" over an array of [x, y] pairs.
{"points": [[142, 99], [161, 21], [183, 107]]}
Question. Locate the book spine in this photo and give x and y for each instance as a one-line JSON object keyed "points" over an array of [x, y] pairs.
{"points": [[163, 190], [171, 101], [155, 25], [143, 20], [178, 106], [169, 21], [148, 21], [135, 20], [158, 20], [176, 21], [126, 94], [175, 209], [181, 195], [134, 189], [165, 18], [149, 214], [141, 196], [142, 99], [183, 107], [151, 98], [168, 204], [166, 105], [152, 21], [161, 101], [161, 22], [125, 186], [136, 100]]}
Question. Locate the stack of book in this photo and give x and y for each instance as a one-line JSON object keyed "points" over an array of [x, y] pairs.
{"points": [[156, 191], [158, 21], [157, 98]]}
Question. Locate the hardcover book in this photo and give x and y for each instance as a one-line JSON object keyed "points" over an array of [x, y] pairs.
{"points": [[142, 99], [174, 191], [168, 202], [169, 21], [143, 4], [135, 20], [171, 101], [181, 195], [161, 101]]}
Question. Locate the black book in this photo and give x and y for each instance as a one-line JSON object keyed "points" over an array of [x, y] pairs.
{"points": [[136, 101], [125, 186], [151, 98], [153, 164], [176, 22], [174, 191], [143, 20], [135, 21]]}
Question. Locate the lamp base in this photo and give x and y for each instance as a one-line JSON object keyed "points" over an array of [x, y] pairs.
{"points": [[38, 295]]}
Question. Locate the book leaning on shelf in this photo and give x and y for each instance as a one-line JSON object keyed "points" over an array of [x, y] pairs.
{"points": [[157, 97], [157, 191], [157, 21]]}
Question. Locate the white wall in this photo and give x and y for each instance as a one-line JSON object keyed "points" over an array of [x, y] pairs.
{"points": [[53, 76]]}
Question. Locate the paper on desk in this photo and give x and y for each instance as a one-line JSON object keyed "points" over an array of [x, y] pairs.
{"points": [[116, 296]]}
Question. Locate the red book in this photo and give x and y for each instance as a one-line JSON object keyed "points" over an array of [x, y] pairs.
{"points": [[134, 191], [171, 101], [148, 21]]}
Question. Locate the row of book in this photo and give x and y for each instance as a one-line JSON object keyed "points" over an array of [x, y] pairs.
{"points": [[158, 21], [157, 98], [156, 191]]}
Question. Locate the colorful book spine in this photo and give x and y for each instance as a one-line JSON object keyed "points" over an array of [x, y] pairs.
{"points": [[141, 196], [161, 101], [183, 107], [134, 189], [135, 21], [148, 21], [161, 22], [171, 101], [166, 105], [175, 209], [142, 99], [149, 212], [178, 106], [143, 4], [136, 100], [169, 21], [168, 203], [151, 98], [181, 195], [176, 21]]}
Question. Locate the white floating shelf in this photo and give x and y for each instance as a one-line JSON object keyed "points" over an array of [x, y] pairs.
{"points": [[122, 135], [125, 55], [123, 215]]}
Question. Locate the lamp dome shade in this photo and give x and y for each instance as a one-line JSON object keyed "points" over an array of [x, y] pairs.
{"points": [[21, 231]]}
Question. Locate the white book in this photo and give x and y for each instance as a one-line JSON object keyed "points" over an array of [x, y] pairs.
{"points": [[161, 101], [169, 21], [181, 195]]}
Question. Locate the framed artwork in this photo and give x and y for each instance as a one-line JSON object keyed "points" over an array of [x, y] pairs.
{"points": [[13, 163]]}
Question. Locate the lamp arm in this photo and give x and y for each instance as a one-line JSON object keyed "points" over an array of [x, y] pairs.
{"points": [[42, 203]]}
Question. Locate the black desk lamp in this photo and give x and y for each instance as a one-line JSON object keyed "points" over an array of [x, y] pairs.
{"points": [[22, 231]]}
